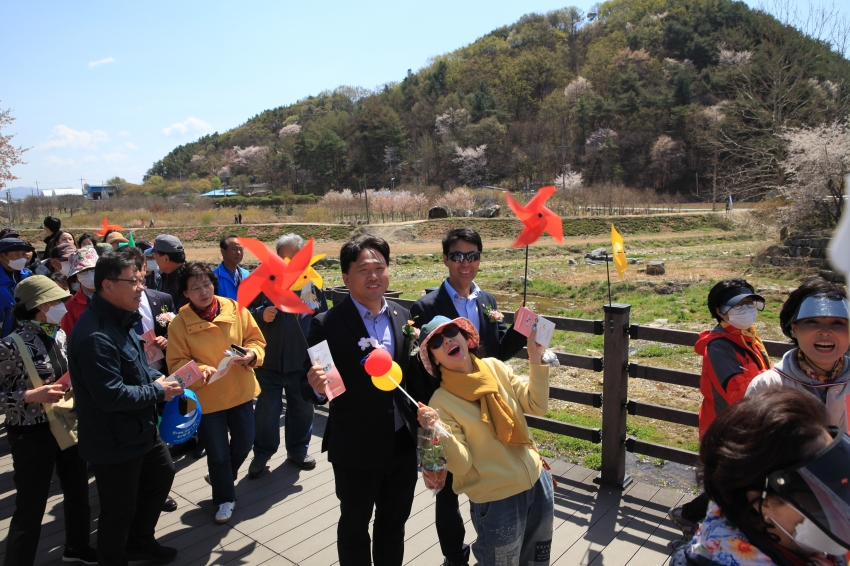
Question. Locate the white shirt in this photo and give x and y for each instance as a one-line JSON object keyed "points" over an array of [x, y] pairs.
{"points": [[145, 311]]}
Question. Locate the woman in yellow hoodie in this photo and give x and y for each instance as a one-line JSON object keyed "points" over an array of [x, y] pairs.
{"points": [[491, 453], [202, 331]]}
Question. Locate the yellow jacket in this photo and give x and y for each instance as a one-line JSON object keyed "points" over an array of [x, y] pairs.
{"points": [[484, 468], [192, 338]]}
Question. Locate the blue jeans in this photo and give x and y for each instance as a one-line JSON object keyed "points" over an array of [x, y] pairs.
{"points": [[224, 456], [298, 422], [515, 530]]}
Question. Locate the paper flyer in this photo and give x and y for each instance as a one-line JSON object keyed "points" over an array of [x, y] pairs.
{"points": [[320, 355], [187, 375], [223, 367], [526, 321], [65, 381], [151, 351]]}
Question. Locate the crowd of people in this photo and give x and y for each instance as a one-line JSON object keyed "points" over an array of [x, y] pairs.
{"points": [[773, 445]]}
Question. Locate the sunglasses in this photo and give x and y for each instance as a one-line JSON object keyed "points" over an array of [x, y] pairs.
{"points": [[458, 257], [437, 339]]}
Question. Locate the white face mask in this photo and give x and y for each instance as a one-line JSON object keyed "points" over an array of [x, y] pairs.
{"points": [[55, 313], [743, 319], [150, 266], [18, 264], [86, 279], [810, 538], [74, 287], [65, 268]]}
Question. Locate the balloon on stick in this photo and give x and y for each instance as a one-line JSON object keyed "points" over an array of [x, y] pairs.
{"points": [[390, 380], [537, 219], [274, 277], [379, 362], [106, 227]]}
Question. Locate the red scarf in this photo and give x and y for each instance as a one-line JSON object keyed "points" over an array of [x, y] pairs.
{"points": [[209, 313]]}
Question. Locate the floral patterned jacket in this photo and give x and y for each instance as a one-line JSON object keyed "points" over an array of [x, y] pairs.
{"points": [[14, 380]]}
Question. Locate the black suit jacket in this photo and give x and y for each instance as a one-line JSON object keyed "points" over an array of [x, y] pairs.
{"points": [[157, 299], [361, 427], [498, 340]]}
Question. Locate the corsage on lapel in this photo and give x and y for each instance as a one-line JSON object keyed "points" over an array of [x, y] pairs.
{"points": [[411, 336], [492, 314]]}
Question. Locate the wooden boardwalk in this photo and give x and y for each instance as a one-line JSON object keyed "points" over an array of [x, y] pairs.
{"points": [[289, 516]]}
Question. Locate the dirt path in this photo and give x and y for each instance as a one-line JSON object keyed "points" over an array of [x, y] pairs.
{"points": [[205, 252]]}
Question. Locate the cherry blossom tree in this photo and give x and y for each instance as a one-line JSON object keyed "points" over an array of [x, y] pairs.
{"points": [[460, 201], [816, 163], [473, 164], [9, 154]]}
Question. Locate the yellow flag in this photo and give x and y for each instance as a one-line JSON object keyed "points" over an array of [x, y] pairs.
{"points": [[619, 249]]}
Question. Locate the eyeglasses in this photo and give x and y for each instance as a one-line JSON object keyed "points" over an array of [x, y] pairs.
{"points": [[437, 339], [135, 282], [756, 304], [458, 257]]}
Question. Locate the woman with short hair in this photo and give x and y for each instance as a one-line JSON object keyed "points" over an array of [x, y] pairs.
{"points": [[775, 471], [202, 331]]}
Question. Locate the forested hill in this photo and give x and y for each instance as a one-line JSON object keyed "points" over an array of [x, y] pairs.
{"points": [[648, 93]]}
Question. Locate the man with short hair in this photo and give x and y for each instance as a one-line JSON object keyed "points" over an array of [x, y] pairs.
{"points": [[230, 274], [116, 396], [168, 252], [460, 296], [13, 260], [281, 374], [371, 434]]}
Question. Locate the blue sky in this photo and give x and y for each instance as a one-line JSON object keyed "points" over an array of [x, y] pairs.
{"points": [[107, 88]]}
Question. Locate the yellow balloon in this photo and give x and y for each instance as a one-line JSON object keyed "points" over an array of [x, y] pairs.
{"points": [[384, 383]]}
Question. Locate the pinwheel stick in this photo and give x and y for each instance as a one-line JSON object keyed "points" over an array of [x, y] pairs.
{"points": [[525, 278], [608, 273]]}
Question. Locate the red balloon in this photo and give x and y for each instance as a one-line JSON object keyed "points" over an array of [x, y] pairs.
{"points": [[378, 363]]}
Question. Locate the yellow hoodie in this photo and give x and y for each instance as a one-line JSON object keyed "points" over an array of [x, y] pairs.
{"points": [[484, 468], [192, 338]]}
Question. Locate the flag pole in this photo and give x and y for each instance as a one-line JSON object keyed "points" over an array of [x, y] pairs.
{"points": [[525, 277]]}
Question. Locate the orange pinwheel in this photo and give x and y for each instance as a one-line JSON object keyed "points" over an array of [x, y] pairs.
{"points": [[537, 218], [107, 227], [275, 277]]}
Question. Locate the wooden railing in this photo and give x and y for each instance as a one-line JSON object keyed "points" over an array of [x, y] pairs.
{"points": [[616, 371]]}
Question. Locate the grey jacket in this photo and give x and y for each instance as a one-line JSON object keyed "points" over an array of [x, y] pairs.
{"points": [[833, 396]]}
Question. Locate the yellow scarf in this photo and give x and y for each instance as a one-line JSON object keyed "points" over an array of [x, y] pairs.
{"points": [[483, 385], [752, 343]]}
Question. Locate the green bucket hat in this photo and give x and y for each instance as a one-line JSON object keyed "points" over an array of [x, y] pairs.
{"points": [[37, 289]]}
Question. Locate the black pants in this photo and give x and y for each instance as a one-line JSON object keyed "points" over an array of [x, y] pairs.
{"points": [[449, 522], [696, 509], [131, 497], [390, 493], [34, 455]]}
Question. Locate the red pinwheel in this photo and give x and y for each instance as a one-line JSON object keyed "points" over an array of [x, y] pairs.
{"points": [[537, 218], [107, 227], [275, 277]]}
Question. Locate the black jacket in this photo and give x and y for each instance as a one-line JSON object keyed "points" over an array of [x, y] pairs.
{"points": [[498, 340], [286, 335], [361, 427], [115, 394], [167, 283]]}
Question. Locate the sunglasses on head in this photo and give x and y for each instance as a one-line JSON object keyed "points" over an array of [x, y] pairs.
{"points": [[458, 257], [437, 339]]}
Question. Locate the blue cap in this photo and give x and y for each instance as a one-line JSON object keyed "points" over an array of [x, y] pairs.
{"points": [[14, 244]]}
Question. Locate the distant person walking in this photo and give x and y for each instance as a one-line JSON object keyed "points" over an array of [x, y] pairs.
{"points": [[236, 219], [240, 218], [151, 224]]}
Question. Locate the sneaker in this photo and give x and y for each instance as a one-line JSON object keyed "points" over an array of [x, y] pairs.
{"points": [[689, 528], [303, 461], [257, 467], [225, 510], [154, 552], [83, 555]]}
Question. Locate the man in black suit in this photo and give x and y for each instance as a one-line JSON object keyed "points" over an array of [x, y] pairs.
{"points": [[460, 296], [370, 435]]}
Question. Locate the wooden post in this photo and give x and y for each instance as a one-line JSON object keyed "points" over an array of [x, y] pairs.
{"points": [[615, 391]]}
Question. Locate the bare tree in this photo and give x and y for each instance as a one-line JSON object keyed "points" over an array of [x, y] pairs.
{"points": [[9, 154]]}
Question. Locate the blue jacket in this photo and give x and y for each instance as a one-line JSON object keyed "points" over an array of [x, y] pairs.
{"points": [[8, 282], [113, 383], [226, 286], [286, 344]]}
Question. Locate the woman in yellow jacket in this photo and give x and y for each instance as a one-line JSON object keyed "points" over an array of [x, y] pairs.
{"points": [[490, 452], [202, 331]]}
